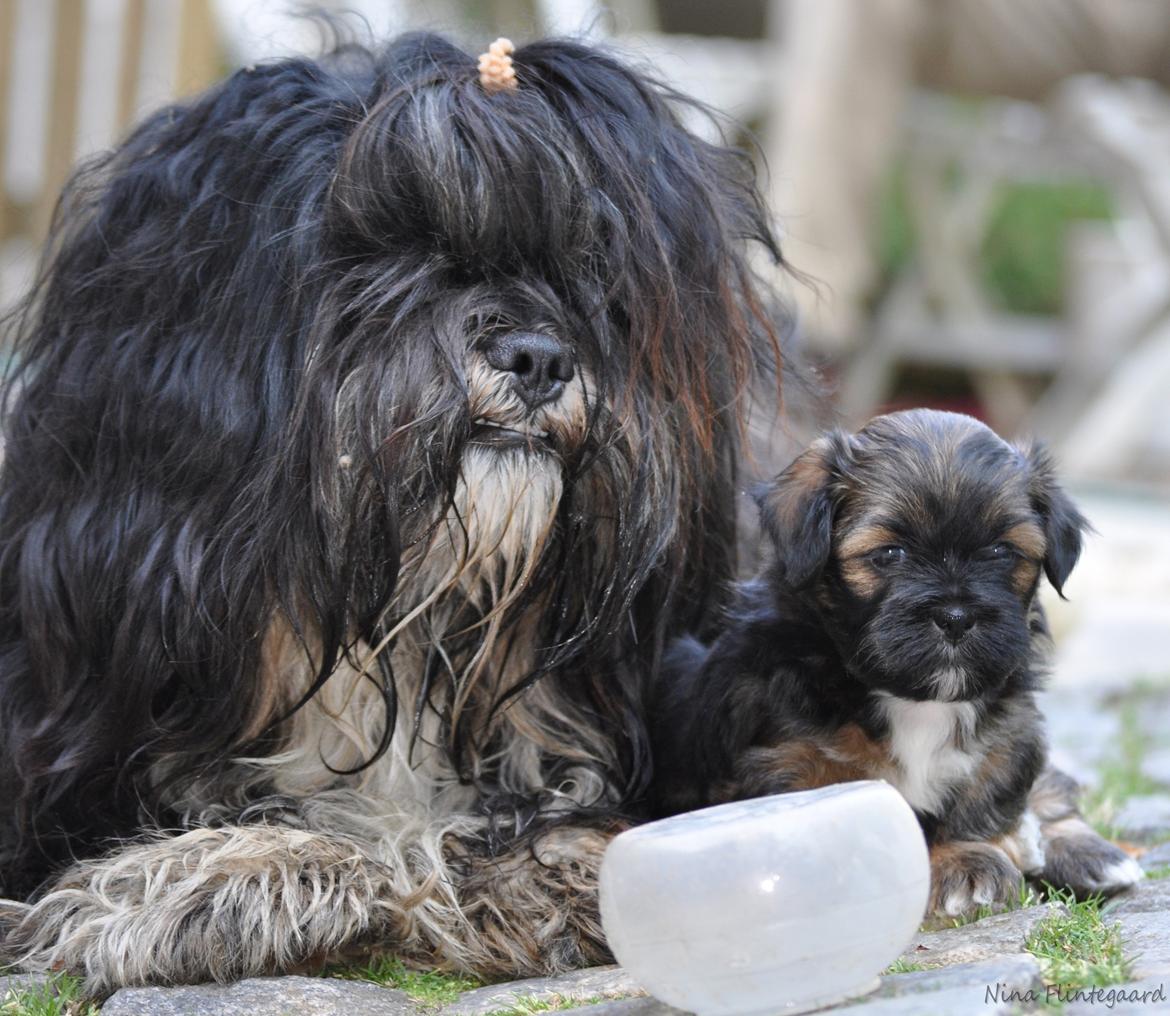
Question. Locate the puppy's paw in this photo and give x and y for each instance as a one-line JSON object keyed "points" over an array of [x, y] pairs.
{"points": [[1077, 858], [965, 876]]}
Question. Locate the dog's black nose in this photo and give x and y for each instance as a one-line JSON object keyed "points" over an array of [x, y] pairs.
{"points": [[955, 621], [541, 365]]}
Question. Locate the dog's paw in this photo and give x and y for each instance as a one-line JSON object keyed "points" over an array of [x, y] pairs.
{"points": [[1077, 858], [965, 876], [12, 912], [206, 905]]}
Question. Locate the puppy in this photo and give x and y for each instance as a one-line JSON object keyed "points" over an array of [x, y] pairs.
{"points": [[897, 635]]}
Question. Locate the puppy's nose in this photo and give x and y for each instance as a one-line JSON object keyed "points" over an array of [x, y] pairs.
{"points": [[540, 365], [955, 621]]}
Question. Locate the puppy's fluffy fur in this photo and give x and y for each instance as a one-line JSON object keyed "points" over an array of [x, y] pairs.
{"points": [[897, 635], [317, 632]]}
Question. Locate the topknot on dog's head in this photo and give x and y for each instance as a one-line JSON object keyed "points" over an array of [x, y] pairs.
{"points": [[497, 72]]}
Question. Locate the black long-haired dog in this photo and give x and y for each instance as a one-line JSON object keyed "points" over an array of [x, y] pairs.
{"points": [[896, 635], [373, 432]]}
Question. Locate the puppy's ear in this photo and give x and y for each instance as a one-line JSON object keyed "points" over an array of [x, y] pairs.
{"points": [[1063, 525], [796, 509]]}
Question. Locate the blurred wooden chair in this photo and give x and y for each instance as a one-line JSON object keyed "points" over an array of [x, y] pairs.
{"points": [[937, 313]]}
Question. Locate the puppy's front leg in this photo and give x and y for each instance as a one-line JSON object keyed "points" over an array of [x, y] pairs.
{"points": [[968, 874], [1076, 857]]}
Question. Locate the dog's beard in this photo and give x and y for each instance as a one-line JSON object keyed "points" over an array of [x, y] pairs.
{"points": [[513, 465], [504, 510]]}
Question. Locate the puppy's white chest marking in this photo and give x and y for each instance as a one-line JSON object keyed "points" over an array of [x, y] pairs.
{"points": [[929, 746]]}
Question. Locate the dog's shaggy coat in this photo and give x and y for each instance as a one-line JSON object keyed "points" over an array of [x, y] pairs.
{"points": [[314, 633]]}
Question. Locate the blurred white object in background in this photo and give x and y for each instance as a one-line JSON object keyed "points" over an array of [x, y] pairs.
{"points": [[1113, 627], [1119, 416], [778, 904]]}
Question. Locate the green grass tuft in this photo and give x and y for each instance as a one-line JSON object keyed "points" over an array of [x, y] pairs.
{"points": [[1076, 948], [524, 1007], [60, 996], [527, 1006], [1162, 871], [430, 987], [904, 966]]}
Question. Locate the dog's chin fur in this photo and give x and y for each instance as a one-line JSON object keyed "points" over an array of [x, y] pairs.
{"points": [[288, 570]]}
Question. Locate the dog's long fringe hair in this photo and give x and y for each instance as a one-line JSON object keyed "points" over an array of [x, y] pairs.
{"points": [[241, 405]]}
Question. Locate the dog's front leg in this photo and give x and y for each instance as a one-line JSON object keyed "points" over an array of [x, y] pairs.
{"points": [[210, 904], [968, 874], [534, 909], [238, 901], [1076, 857]]}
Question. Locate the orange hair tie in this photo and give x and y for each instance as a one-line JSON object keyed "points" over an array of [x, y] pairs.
{"points": [[496, 73]]}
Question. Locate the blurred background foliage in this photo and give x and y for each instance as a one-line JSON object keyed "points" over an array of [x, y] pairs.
{"points": [[1023, 261]]}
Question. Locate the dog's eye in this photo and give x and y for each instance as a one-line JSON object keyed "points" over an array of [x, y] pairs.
{"points": [[885, 557], [998, 552]]}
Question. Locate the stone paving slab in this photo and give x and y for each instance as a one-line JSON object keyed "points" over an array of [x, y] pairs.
{"points": [[612, 982], [19, 982], [630, 1007], [1156, 766], [1145, 937], [1156, 857], [1113, 641], [264, 996], [1146, 897], [1144, 818], [958, 989], [1081, 733], [996, 936], [1154, 715], [1019, 971], [947, 1002], [989, 986]]}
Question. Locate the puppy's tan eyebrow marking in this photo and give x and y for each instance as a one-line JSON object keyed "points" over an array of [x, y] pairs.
{"points": [[1024, 575], [865, 540], [1028, 539], [860, 576]]}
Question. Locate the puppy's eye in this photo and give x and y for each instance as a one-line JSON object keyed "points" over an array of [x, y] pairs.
{"points": [[886, 557], [998, 552]]}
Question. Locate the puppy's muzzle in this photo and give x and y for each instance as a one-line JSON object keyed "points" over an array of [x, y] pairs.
{"points": [[540, 365], [953, 620]]}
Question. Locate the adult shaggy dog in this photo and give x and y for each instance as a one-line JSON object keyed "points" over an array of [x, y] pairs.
{"points": [[372, 433]]}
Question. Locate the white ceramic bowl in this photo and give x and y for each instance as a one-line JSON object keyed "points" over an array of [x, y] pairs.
{"points": [[778, 904]]}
